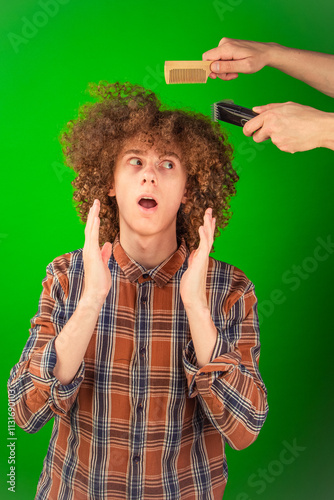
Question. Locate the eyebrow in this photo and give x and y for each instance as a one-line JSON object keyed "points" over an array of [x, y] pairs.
{"points": [[134, 151], [140, 152]]}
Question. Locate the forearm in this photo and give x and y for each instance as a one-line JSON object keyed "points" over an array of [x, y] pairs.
{"points": [[314, 68], [237, 407], [72, 342], [235, 402], [203, 333]]}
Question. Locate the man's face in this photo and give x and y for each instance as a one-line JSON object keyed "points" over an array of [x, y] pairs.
{"points": [[149, 185]]}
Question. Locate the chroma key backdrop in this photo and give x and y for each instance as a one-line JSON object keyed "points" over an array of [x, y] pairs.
{"points": [[281, 233]]}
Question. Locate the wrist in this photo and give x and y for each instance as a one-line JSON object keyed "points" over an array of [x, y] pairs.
{"points": [[197, 308], [275, 54], [327, 131], [92, 300]]}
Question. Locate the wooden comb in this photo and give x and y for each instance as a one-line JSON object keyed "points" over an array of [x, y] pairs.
{"points": [[187, 71]]}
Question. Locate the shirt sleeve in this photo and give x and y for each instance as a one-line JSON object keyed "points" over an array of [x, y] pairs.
{"points": [[35, 393], [230, 387]]}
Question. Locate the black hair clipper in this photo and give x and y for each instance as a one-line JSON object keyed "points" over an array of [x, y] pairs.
{"points": [[227, 111]]}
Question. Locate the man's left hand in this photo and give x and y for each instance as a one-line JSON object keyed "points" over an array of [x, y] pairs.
{"points": [[292, 127]]}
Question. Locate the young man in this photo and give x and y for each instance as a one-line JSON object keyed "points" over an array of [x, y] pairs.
{"points": [[146, 356]]}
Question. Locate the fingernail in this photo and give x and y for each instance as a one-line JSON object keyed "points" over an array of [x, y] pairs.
{"points": [[215, 67], [256, 108]]}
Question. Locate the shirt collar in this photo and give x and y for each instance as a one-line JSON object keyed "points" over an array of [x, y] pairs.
{"points": [[161, 274]]}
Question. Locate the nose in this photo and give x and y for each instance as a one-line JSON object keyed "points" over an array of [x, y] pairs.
{"points": [[149, 177]]}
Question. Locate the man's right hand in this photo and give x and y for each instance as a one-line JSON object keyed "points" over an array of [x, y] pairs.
{"points": [[97, 273], [72, 342], [237, 56]]}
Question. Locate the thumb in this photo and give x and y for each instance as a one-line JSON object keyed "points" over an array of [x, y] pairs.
{"points": [[266, 107], [106, 252], [226, 67], [191, 258]]}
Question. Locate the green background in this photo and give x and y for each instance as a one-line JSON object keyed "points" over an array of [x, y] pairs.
{"points": [[283, 206]]}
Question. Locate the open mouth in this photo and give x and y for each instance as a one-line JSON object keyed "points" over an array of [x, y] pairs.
{"points": [[147, 202]]}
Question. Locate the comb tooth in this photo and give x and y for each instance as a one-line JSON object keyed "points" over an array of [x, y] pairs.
{"points": [[182, 75]]}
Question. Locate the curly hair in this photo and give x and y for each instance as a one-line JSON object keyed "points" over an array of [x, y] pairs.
{"points": [[92, 142]]}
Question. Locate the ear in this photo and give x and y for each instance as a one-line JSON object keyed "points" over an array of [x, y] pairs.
{"points": [[112, 191], [185, 196]]}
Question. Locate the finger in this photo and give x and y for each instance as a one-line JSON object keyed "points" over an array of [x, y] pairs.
{"points": [[229, 67], [209, 225], [227, 76], [261, 135], [94, 235], [252, 125], [266, 107], [224, 50], [94, 210], [191, 257], [91, 240], [212, 54], [207, 219], [202, 238], [88, 221], [206, 239], [213, 225], [106, 252], [231, 76], [211, 229]]}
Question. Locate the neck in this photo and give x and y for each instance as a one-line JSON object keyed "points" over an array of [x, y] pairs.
{"points": [[149, 251]]}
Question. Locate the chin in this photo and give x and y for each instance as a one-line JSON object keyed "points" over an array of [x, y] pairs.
{"points": [[148, 232]]}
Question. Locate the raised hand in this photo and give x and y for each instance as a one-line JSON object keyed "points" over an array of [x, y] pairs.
{"points": [[97, 273], [193, 282]]}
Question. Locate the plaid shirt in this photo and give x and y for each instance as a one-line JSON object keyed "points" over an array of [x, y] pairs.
{"points": [[140, 420]]}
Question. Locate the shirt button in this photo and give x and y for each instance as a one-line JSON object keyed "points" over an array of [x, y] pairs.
{"points": [[143, 300], [145, 276], [140, 407], [142, 351], [136, 459]]}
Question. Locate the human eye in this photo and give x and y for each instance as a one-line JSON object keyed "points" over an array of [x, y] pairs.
{"points": [[135, 161], [168, 165]]}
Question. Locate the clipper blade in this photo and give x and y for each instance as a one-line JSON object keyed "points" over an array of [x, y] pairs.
{"points": [[229, 112]]}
